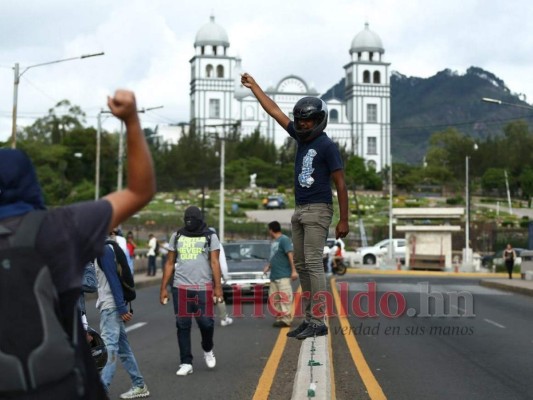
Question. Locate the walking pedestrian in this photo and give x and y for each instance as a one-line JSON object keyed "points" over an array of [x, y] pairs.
{"points": [[152, 254], [509, 257], [282, 272], [114, 314], [193, 255]]}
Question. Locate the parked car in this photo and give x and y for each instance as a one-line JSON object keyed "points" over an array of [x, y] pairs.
{"points": [[370, 254], [274, 202], [246, 261]]}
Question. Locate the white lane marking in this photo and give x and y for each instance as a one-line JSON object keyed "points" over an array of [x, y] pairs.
{"points": [[135, 326], [494, 323], [458, 308]]}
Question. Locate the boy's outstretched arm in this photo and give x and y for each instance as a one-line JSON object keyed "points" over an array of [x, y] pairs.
{"points": [[266, 102]]}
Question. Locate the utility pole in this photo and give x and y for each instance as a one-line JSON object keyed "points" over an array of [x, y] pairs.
{"points": [[16, 82]]}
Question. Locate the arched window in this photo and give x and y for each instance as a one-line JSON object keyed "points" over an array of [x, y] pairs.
{"points": [[220, 71], [334, 116], [371, 165], [377, 77], [209, 71], [366, 77]]}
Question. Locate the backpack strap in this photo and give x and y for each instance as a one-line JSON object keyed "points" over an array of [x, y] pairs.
{"points": [[28, 229]]}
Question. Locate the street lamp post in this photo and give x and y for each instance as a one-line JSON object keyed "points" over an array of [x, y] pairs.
{"points": [[500, 102], [222, 162], [468, 255], [98, 146], [121, 148], [16, 81]]}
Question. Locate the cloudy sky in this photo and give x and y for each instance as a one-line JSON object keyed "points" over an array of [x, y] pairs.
{"points": [[148, 45]]}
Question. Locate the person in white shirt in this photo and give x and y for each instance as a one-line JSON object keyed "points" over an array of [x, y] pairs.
{"points": [[152, 245]]}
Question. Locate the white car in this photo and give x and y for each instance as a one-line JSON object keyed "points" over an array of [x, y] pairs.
{"points": [[370, 254]]}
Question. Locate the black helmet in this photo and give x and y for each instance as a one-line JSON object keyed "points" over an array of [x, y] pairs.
{"points": [[310, 108], [98, 349]]}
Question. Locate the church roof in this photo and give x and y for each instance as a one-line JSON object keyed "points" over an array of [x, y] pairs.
{"points": [[211, 34], [366, 40]]}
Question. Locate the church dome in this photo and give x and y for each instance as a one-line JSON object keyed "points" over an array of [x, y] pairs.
{"points": [[211, 34], [366, 40]]}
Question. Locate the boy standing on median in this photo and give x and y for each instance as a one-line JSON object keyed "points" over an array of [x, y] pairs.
{"points": [[318, 161]]}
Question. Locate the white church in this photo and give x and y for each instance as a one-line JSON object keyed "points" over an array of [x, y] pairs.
{"points": [[361, 120]]}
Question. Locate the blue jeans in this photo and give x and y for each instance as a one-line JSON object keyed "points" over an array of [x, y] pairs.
{"points": [[310, 226], [114, 335], [186, 303]]}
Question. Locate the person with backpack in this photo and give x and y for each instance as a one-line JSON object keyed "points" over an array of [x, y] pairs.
{"points": [[114, 313], [43, 255], [193, 257]]}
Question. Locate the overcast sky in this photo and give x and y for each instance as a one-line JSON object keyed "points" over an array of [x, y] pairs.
{"points": [[148, 45]]}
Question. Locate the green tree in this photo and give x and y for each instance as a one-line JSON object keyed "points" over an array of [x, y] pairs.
{"points": [[493, 180]]}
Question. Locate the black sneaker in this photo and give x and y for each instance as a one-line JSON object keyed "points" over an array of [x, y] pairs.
{"points": [[297, 331], [313, 330]]}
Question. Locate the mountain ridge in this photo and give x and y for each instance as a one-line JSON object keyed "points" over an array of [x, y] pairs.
{"points": [[422, 106]]}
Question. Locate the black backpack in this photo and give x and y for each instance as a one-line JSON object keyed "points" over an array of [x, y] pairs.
{"points": [[35, 348], [123, 271]]}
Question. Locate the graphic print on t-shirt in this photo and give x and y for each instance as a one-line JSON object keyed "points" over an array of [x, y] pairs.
{"points": [[190, 250], [305, 179]]}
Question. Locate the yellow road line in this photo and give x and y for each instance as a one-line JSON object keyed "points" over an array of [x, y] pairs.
{"points": [[374, 389], [331, 369], [267, 377]]}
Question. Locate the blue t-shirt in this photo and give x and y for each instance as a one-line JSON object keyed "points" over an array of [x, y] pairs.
{"points": [[315, 162], [280, 266]]}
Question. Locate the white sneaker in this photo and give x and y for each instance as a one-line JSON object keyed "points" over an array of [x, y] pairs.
{"points": [[210, 359], [185, 369], [136, 393], [226, 321]]}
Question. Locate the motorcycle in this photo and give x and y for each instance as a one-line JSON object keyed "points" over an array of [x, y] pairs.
{"points": [[338, 265]]}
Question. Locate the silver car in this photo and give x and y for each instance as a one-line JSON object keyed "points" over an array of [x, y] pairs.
{"points": [[246, 261]]}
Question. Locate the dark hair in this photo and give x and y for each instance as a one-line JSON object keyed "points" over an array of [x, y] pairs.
{"points": [[274, 226]]}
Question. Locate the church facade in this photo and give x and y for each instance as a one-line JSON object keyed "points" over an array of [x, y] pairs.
{"points": [[360, 121]]}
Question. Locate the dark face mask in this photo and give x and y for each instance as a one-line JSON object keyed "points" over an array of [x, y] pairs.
{"points": [[192, 224]]}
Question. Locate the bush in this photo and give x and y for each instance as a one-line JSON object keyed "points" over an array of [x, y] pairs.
{"points": [[453, 201], [251, 205]]}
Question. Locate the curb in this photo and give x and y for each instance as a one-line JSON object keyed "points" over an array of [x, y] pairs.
{"points": [[507, 287], [313, 374]]}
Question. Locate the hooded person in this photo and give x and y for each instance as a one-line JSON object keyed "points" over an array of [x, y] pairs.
{"points": [[193, 264], [51, 248], [194, 222]]}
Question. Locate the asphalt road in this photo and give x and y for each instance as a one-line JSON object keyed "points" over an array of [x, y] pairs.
{"points": [[241, 349], [480, 348]]}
